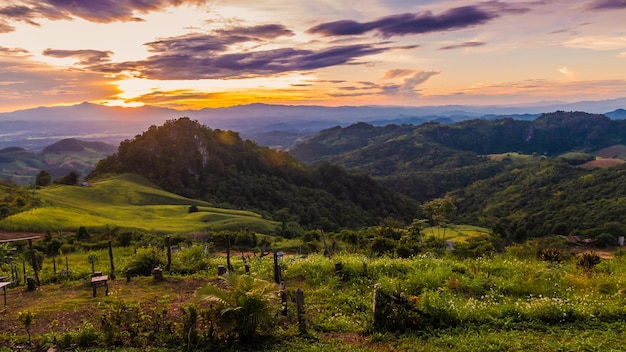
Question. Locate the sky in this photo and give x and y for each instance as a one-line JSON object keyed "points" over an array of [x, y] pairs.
{"points": [[193, 54]]}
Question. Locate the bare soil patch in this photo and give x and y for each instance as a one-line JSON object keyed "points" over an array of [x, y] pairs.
{"points": [[602, 163], [65, 307]]}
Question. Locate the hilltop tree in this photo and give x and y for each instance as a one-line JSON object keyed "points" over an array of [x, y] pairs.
{"points": [[70, 179], [43, 178]]}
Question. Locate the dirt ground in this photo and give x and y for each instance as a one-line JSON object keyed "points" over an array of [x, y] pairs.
{"points": [[16, 236], [64, 307]]}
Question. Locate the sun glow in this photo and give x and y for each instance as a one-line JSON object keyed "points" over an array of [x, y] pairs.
{"points": [[210, 93]]}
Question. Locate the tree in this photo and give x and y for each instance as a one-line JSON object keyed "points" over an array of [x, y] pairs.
{"points": [[438, 211], [69, 179], [43, 178]]}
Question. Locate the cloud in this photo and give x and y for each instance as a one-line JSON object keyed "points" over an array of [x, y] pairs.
{"points": [[567, 72], [607, 5], [597, 42], [85, 57], [471, 44], [211, 56], [25, 82], [538, 88], [267, 31], [12, 51], [398, 72], [409, 80], [418, 23], [100, 11]]}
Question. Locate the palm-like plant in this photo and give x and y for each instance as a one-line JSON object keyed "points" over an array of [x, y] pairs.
{"points": [[245, 304]]}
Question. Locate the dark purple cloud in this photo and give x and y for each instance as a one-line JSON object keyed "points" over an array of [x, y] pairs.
{"points": [[85, 57], [193, 44], [210, 56], [105, 11], [462, 45], [266, 31], [607, 5], [100, 11], [409, 23], [191, 64]]}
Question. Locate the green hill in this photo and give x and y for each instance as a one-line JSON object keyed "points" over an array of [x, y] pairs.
{"points": [[551, 197], [429, 160], [21, 166], [187, 158], [128, 202]]}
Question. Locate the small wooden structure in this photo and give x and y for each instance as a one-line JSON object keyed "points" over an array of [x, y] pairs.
{"points": [[4, 288], [97, 279]]}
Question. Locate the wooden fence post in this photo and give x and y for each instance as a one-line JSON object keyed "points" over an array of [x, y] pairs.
{"points": [[228, 265], [277, 270], [300, 310], [111, 258], [168, 244], [24, 270], [33, 259]]}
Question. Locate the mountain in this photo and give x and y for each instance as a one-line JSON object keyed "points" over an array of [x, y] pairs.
{"points": [[431, 159], [619, 114], [548, 198], [36, 128], [21, 166], [190, 159]]}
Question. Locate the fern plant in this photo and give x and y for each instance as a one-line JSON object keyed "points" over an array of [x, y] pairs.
{"points": [[246, 305]]}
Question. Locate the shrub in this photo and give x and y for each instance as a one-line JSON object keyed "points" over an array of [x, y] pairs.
{"points": [[382, 245], [189, 260], [87, 336], [552, 255], [605, 240], [587, 261], [145, 260], [393, 311], [246, 305]]}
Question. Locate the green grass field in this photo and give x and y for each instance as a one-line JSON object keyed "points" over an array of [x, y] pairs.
{"points": [[127, 202], [456, 233]]}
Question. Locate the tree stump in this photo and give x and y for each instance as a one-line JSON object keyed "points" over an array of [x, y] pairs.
{"points": [[31, 284]]}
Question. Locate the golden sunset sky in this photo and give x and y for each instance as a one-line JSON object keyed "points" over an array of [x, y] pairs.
{"points": [[191, 54]]}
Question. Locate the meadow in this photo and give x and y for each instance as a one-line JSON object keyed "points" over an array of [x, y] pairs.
{"points": [[127, 202], [509, 302]]}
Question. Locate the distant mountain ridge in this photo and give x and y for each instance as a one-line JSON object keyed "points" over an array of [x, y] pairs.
{"points": [[431, 159], [38, 127]]}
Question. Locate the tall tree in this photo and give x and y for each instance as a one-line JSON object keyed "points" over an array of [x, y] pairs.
{"points": [[43, 178]]}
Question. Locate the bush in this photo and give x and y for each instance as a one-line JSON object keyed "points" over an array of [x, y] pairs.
{"points": [[605, 240], [145, 260], [552, 255], [587, 261], [189, 260]]}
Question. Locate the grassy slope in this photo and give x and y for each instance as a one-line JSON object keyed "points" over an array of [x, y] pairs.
{"points": [[127, 202], [498, 304]]}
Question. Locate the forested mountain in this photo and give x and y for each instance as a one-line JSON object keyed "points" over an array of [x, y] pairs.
{"points": [[21, 166], [190, 159], [431, 159], [550, 197]]}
